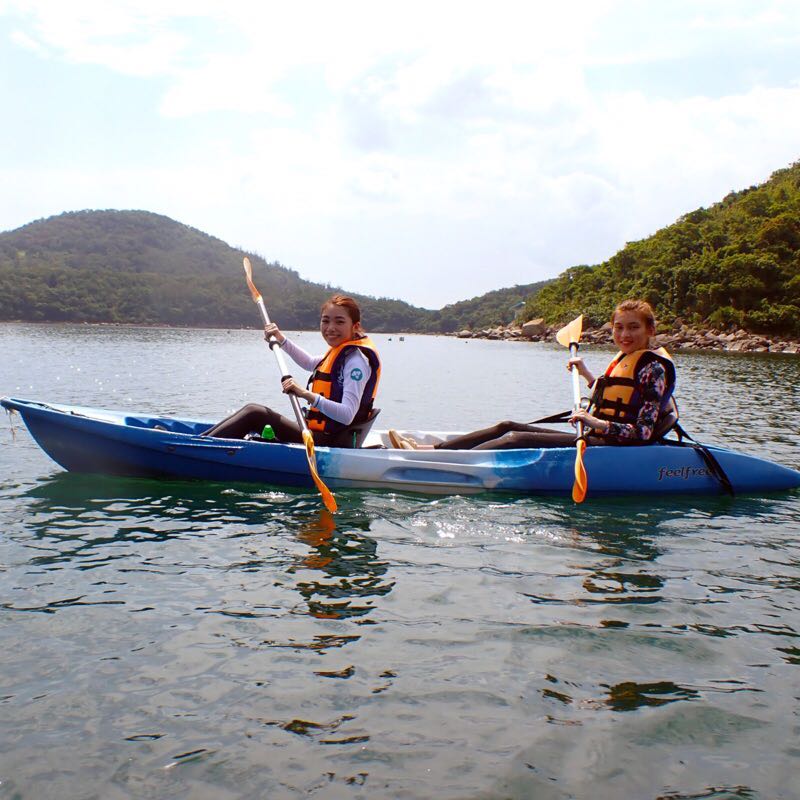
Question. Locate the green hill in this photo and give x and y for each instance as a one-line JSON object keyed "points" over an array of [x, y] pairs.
{"points": [[144, 268], [735, 264], [499, 307]]}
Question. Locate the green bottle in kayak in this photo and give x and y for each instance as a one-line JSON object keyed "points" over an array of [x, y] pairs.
{"points": [[268, 434]]}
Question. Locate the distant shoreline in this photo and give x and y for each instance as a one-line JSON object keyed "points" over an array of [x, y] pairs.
{"points": [[686, 338]]}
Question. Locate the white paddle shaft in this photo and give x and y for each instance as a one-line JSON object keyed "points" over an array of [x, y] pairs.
{"points": [[576, 386], [275, 346]]}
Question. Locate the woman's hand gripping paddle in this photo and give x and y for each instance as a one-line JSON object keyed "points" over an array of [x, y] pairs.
{"points": [[569, 336], [327, 497]]}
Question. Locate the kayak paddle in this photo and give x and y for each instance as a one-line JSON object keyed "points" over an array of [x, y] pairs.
{"points": [[569, 336], [327, 497]]}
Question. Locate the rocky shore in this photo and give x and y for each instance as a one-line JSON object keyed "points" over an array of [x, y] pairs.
{"points": [[680, 337]]}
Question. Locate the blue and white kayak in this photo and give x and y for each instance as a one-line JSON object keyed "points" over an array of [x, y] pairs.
{"points": [[106, 442]]}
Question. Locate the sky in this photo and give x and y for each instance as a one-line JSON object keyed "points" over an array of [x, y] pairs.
{"points": [[425, 151]]}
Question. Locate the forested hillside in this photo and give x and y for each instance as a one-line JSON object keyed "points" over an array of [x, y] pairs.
{"points": [[499, 307], [735, 264], [138, 267], [143, 268]]}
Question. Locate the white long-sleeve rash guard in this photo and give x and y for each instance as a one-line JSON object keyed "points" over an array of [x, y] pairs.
{"points": [[356, 371]]}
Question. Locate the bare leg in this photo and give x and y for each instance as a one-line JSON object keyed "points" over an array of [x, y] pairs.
{"points": [[540, 437], [253, 418], [470, 441]]}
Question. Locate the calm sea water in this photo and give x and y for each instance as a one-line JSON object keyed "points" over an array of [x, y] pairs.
{"points": [[187, 640]]}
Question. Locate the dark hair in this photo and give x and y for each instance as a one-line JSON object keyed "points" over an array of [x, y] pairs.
{"points": [[347, 303], [640, 307]]}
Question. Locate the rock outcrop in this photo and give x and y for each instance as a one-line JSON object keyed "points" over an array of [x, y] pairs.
{"points": [[681, 337]]}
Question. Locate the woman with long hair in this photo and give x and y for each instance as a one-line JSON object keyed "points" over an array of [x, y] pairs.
{"points": [[627, 400], [341, 390]]}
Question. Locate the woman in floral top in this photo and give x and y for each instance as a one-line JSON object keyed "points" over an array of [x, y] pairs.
{"points": [[627, 403]]}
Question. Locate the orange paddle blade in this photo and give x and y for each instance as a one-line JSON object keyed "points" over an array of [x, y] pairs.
{"points": [[581, 480], [571, 333], [327, 496], [248, 273]]}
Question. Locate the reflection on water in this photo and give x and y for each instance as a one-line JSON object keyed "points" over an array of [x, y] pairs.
{"points": [[90, 522], [629, 696], [350, 570]]}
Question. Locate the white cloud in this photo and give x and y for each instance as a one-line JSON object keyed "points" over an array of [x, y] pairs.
{"points": [[225, 83], [28, 43]]}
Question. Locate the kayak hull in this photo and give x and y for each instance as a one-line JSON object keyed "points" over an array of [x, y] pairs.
{"points": [[100, 441]]}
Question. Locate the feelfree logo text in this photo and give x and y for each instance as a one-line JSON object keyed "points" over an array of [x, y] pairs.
{"points": [[683, 472]]}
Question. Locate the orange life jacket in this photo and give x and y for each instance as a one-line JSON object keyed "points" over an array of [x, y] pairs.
{"points": [[616, 395], [327, 380]]}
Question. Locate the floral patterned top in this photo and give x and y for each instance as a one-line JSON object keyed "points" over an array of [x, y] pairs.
{"points": [[651, 385]]}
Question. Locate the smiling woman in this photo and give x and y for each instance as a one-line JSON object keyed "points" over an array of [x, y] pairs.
{"points": [[631, 402], [344, 383]]}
